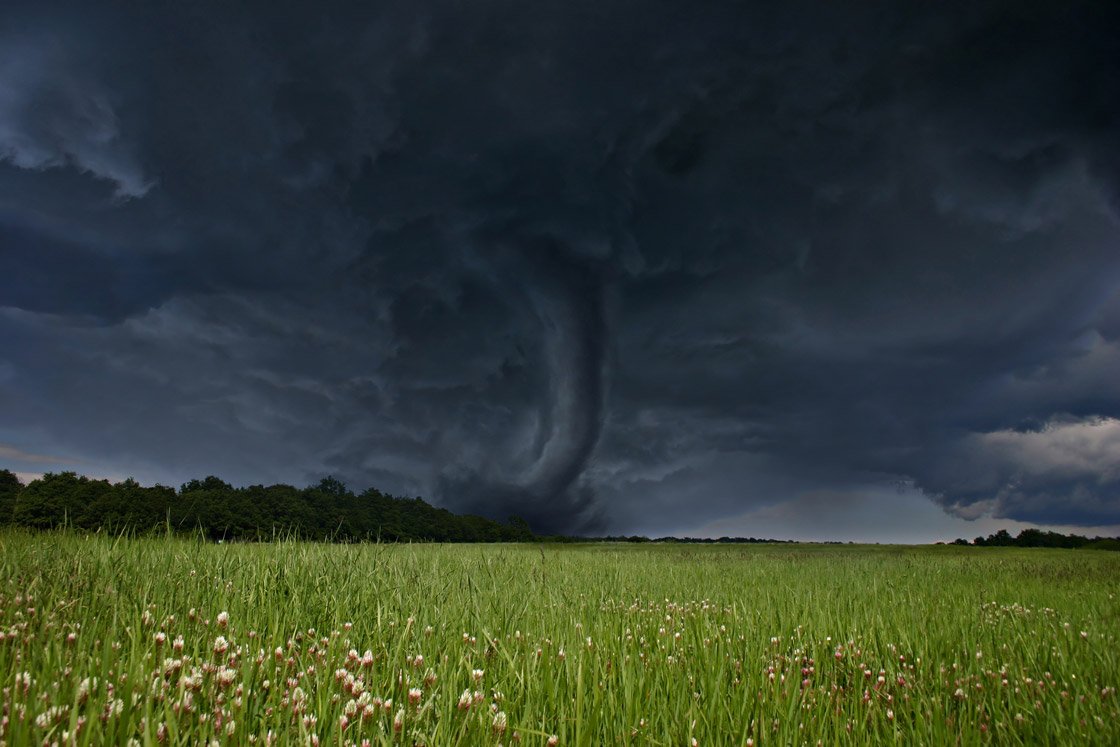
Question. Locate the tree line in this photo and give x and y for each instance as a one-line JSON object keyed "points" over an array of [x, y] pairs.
{"points": [[219, 511], [1039, 538], [328, 511]]}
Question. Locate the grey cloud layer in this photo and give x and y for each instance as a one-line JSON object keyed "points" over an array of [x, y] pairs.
{"points": [[601, 265]]}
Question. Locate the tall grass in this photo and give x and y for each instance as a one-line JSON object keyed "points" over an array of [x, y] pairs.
{"points": [[172, 641]]}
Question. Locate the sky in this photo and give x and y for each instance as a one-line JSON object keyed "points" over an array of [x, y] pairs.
{"points": [[811, 270]]}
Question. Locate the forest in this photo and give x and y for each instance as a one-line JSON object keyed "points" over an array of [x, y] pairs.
{"points": [[219, 511], [1040, 538]]}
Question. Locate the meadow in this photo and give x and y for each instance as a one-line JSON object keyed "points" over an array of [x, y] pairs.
{"points": [[175, 641]]}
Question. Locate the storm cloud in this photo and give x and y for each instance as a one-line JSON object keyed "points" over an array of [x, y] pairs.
{"points": [[607, 266]]}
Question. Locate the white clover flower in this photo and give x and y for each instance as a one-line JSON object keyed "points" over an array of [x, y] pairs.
{"points": [[226, 676]]}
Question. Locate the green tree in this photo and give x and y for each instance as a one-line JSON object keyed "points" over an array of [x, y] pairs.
{"points": [[57, 499], [10, 486]]}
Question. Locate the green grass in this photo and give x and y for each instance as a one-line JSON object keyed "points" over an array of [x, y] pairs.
{"points": [[602, 644]]}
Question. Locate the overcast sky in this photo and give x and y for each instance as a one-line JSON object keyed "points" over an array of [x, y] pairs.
{"points": [[832, 270]]}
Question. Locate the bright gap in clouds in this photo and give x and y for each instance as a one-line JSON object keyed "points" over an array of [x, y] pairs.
{"points": [[876, 514]]}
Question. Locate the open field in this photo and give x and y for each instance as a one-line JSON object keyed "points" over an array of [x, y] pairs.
{"points": [[178, 642]]}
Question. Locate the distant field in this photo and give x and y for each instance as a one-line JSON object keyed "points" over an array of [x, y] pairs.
{"points": [[175, 642]]}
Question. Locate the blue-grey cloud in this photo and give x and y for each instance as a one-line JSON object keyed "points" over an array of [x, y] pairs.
{"points": [[604, 266]]}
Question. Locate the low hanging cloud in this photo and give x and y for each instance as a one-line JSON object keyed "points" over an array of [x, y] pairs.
{"points": [[1066, 470]]}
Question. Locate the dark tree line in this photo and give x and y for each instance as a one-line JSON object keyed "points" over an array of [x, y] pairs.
{"points": [[327, 511], [1039, 538]]}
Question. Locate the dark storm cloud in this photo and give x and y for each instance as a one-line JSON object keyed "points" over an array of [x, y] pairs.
{"points": [[601, 265]]}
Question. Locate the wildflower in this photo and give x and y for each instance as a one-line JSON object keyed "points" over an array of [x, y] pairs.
{"points": [[414, 695], [398, 721], [553, 741], [161, 638], [113, 709], [84, 689], [223, 619], [476, 675], [221, 645], [465, 700], [500, 722], [50, 716]]}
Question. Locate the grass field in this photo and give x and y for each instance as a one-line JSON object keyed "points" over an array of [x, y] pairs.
{"points": [[179, 642]]}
